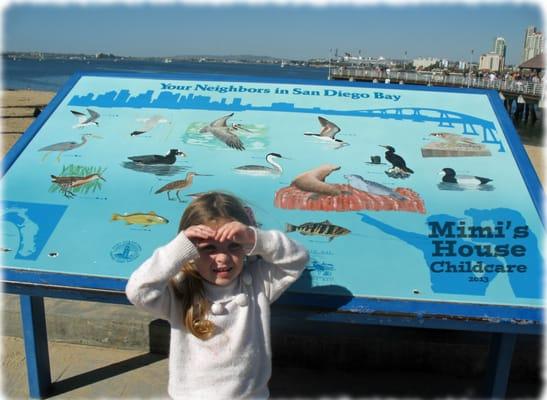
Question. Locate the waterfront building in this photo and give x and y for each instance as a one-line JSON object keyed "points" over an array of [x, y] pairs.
{"points": [[500, 47], [420, 63], [463, 65], [491, 62], [533, 43]]}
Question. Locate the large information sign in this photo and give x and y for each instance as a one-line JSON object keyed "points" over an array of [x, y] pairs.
{"points": [[403, 193]]}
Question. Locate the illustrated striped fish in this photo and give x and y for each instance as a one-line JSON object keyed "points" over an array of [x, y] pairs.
{"points": [[140, 218], [324, 228]]}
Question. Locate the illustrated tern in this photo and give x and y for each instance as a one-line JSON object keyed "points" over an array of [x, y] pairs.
{"points": [[86, 120]]}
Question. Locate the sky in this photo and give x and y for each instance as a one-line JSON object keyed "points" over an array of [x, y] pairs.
{"points": [[303, 30]]}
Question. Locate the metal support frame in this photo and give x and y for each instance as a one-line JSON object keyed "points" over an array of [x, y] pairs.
{"points": [[36, 349], [499, 364]]}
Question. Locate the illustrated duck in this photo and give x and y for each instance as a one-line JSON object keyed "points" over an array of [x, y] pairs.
{"points": [[153, 159], [449, 176]]}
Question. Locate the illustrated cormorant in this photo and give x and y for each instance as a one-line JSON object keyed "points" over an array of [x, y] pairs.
{"points": [[396, 160]]}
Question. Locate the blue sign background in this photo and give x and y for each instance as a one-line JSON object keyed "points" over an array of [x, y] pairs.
{"points": [[389, 252]]}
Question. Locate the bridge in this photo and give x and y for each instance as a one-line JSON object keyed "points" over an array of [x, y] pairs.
{"points": [[444, 118], [531, 92]]}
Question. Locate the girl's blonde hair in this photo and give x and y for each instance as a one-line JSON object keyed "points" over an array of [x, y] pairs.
{"points": [[207, 209]]}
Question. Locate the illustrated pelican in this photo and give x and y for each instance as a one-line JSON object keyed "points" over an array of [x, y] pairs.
{"points": [[178, 185], [152, 159], [66, 146], [225, 133], [149, 124], [86, 120], [262, 170], [328, 132]]}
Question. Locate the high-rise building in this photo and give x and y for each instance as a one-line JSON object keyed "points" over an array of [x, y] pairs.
{"points": [[533, 43], [491, 62], [499, 46]]}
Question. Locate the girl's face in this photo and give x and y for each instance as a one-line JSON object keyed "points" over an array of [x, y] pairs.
{"points": [[219, 263]]}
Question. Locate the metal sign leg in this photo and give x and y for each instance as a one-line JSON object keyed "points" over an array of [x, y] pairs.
{"points": [[36, 350], [499, 363]]}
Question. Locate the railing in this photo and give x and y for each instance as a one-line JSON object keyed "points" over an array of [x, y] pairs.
{"points": [[526, 88]]}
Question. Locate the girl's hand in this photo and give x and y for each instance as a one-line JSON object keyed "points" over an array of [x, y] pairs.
{"points": [[236, 232], [195, 233]]}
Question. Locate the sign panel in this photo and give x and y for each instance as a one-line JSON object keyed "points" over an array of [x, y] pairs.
{"points": [[399, 192]]}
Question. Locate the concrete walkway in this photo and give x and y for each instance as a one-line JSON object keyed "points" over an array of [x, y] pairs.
{"points": [[92, 372]]}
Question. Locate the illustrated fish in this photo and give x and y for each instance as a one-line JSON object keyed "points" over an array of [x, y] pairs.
{"points": [[324, 228], [140, 218], [371, 187]]}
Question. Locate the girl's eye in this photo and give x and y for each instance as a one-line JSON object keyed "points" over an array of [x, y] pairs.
{"points": [[207, 249], [234, 247]]}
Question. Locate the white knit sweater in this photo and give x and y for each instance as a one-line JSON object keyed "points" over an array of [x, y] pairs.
{"points": [[236, 362]]}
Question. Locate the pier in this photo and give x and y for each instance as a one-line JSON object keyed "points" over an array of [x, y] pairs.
{"points": [[526, 95]]}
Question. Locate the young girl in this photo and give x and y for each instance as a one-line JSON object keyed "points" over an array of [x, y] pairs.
{"points": [[214, 283]]}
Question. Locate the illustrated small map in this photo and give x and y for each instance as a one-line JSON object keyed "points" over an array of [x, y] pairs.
{"points": [[27, 227]]}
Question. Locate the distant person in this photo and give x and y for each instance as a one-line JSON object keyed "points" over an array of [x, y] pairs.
{"points": [[214, 283]]}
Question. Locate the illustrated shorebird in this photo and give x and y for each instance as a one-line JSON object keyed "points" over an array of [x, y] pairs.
{"points": [[328, 132], [153, 159], [396, 160], [86, 120], [149, 124], [179, 185], [261, 170], [225, 133], [68, 182], [66, 146], [449, 176]]}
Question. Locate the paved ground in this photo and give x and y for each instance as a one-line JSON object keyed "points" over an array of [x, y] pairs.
{"points": [[93, 372]]}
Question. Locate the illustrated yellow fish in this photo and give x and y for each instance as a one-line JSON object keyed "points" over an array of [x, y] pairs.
{"points": [[140, 218]]}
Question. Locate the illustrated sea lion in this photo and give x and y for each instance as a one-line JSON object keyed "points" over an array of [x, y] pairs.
{"points": [[314, 180]]}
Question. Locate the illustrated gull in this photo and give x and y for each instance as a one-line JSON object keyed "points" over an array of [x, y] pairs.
{"points": [[149, 124], [225, 133]]}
